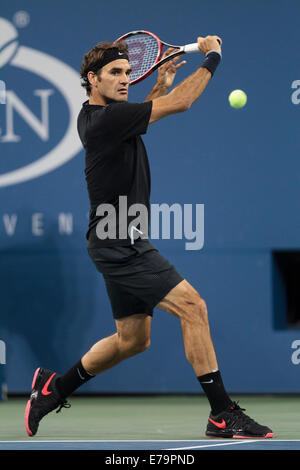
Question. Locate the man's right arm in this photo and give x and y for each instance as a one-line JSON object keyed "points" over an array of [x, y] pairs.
{"points": [[186, 93]]}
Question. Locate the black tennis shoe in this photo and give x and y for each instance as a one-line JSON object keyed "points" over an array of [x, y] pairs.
{"points": [[43, 399], [235, 424]]}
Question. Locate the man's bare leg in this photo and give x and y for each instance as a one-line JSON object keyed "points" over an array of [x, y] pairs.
{"points": [[132, 337], [185, 303]]}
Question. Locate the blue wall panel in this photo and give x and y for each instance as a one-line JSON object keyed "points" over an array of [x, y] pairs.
{"points": [[243, 165]]}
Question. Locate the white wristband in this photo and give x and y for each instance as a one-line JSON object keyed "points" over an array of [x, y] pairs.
{"points": [[213, 50]]}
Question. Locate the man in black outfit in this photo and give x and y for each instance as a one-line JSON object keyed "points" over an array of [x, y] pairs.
{"points": [[137, 277]]}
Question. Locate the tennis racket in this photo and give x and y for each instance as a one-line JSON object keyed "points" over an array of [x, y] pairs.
{"points": [[145, 50]]}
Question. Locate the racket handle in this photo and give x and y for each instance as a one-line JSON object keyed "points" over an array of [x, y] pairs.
{"points": [[193, 47]]}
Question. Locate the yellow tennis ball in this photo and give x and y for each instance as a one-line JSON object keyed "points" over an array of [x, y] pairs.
{"points": [[237, 98]]}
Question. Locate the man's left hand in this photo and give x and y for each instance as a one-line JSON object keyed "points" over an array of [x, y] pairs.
{"points": [[167, 72]]}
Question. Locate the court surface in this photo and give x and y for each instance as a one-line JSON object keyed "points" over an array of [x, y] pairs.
{"points": [[146, 423]]}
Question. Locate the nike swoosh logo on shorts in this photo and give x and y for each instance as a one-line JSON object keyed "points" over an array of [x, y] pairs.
{"points": [[45, 390], [221, 425], [209, 382]]}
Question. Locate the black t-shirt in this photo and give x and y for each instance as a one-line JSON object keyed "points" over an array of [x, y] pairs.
{"points": [[116, 165]]}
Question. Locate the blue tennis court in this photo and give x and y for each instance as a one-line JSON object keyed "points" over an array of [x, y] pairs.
{"points": [[251, 444]]}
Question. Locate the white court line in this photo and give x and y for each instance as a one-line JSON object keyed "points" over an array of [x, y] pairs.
{"points": [[213, 445]]}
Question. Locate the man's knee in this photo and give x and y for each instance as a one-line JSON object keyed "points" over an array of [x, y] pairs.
{"points": [[185, 302], [194, 310], [132, 346], [199, 311]]}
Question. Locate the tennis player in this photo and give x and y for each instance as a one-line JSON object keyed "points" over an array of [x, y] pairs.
{"points": [[137, 277]]}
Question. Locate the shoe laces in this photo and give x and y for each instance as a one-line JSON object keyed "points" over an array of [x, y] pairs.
{"points": [[239, 414], [63, 404]]}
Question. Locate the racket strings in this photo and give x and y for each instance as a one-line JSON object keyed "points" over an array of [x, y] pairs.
{"points": [[143, 51]]}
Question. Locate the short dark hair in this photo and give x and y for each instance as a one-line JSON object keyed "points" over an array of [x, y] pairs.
{"points": [[93, 56]]}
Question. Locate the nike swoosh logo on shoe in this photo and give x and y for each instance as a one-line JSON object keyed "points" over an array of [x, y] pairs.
{"points": [[221, 425], [45, 390]]}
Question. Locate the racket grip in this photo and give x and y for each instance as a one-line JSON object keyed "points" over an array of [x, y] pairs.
{"points": [[191, 48]]}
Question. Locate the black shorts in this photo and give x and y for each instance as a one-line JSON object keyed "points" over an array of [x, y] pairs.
{"points": [[137, 276]]}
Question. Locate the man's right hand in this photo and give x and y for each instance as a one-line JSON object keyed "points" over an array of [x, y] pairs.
{"points": [[209, 43], [187, 92]]}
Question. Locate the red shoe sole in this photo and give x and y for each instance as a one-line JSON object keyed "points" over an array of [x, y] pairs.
{"points": [[269, 435]]}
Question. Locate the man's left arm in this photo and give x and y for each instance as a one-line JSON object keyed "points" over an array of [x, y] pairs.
{"points": [[165, 78]]}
